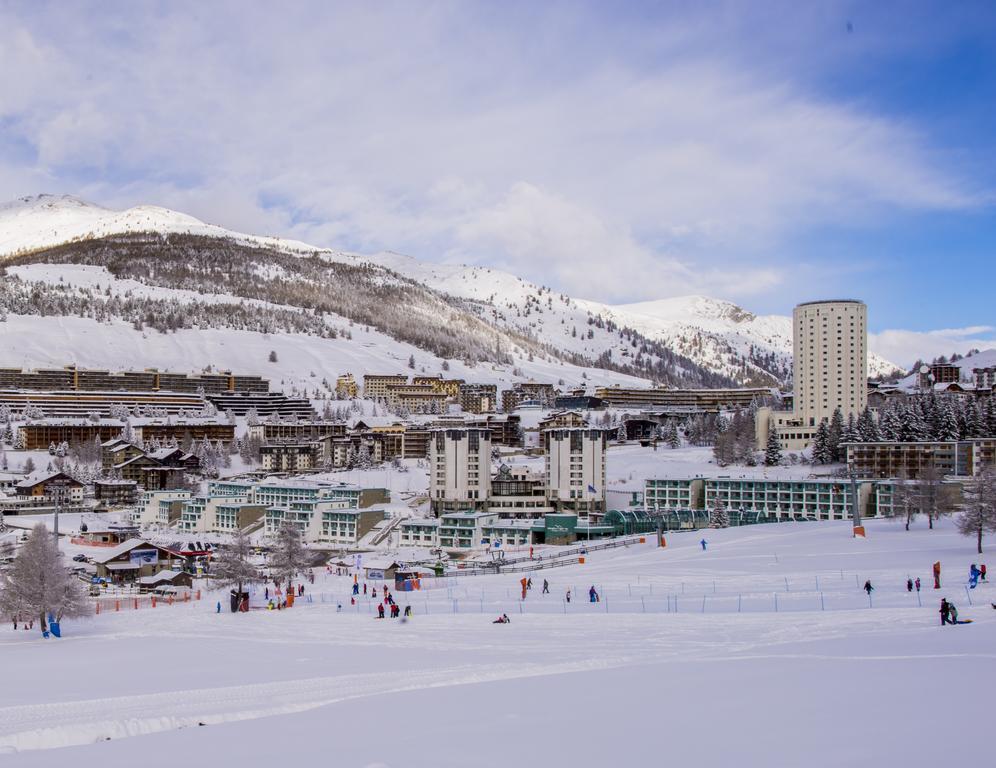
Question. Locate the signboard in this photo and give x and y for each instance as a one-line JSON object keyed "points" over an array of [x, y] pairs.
{"points": [[373, 573], [144, 556], [561, 525]]}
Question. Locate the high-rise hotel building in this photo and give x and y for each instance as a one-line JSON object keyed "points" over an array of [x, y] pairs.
{"points": [[830, 359], [829, 370]]}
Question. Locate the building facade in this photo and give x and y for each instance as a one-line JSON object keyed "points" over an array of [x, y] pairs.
{"points": [[575, 470], [459, 468]]}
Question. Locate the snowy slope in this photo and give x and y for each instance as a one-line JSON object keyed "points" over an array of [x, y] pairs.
{"points": [[715, 334], [985, 358]]}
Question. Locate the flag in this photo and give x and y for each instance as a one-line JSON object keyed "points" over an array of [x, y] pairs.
{"points": [[591, 489]]}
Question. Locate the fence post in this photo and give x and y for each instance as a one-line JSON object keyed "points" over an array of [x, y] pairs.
{"points": [[117, 605], [703, 603], [919, 604], [520, 606], [98, 607], [776, 602], [817, 583], [643, 605], [786, 583], [136, 603], [869, 599], [822, 606], [714, 586], [740, 599]]}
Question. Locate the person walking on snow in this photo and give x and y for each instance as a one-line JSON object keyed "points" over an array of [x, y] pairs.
{"points": [[909, 585], [868, 587], [380, 610], [703, 543], [568, 595], [982, 571], [546, 587], [592, 594], [945, 611], [529, 583], [917, 583]]}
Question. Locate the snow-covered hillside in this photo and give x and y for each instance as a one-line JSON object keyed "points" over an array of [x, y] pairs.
{"points": [[688, 340]]}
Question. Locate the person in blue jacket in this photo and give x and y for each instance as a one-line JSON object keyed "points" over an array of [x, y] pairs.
{"points": [[703, 543]]}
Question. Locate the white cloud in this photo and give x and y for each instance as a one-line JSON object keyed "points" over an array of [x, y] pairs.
{"points": [[906, 347], [598, 156]]}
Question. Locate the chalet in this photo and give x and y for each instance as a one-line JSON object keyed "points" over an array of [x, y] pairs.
{"points": [[115, 493], [117, 451], [176, 457], [165, 579], [136, 558], [47, 485]]}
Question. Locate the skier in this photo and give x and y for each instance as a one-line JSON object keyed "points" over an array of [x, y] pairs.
{"points": [[380, 610], [973, 576], [868, 587], [356, 589], [374, 593], [568, 595], [982, 571], [954, 613], [408, 611], [546, 587], [703, 543], [529, 583], [266, 593], [592, 594], [909, 585], [917, 583], [945, 611]]}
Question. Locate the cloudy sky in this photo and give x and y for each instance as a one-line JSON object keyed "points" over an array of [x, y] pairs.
{"points": [[767, 153]]}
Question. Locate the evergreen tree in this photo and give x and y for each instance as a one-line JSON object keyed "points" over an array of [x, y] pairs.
{"points": [[719, 517], [273, 356], [890, 425], [850, 434], [821, 445], [835, 433], [978, 512], [773, 451], [38, 584], [947, 421], [867, 427]]}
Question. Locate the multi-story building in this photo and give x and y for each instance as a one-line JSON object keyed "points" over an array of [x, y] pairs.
{"points": [[698, 399], [345, 386], [448, 387], [518, 493], [57, 404], [115, 493], [674, 493], [219, 514], [985, 378], [419, 532], [830, 363], [938, 373], [149, 380], [464, 530], [264, 404], [327, 521], [375, 385], [810, 499], [420, 398], [291, 457], [537, 392], [183, 430], [829, 371], [161, 508], [39, 435], [575, 470], [51, 486], [459, 468], [296, 430], [478, 398], [960, 458]]}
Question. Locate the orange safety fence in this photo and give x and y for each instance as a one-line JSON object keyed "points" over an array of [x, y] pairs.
{"points": [[104, 605]]}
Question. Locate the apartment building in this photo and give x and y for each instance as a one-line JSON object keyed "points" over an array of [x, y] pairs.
{"points": [[161, 507], [419, 532], [420, 398], [346, 386], [810, 499], [459, 468], [264, 404], [149, 380], [218, 514], [478, 398], [54, 404], [39, 435], [985, 378], [575, 470], [448, 387], [518, 493], [960, 458], [464, 530], [296, 430], [292, 457], [674, 493], [375, 385], [538, 392], [115, 493], [183, 430], [328, 521]]}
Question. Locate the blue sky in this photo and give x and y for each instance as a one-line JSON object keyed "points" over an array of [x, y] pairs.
{"points": [[767, 153]]}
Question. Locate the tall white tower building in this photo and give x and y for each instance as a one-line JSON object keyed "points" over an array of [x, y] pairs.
{"points": [[575, 470], [459, 469], [830, 364]]}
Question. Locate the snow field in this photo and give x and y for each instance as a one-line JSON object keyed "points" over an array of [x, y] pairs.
{"points": [[844, 686]]}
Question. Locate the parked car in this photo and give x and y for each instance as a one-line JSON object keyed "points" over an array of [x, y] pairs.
{"points": [[80, 558]]}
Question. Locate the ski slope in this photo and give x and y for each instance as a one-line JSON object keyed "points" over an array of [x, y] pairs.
{"points": [[581, 685]]}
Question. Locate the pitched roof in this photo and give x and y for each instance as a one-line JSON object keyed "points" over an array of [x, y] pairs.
{"points": [[128, 546]]}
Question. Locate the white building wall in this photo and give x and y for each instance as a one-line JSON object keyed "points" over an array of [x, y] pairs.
{"points": [[460, 466]]}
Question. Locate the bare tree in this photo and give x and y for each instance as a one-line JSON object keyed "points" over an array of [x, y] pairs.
{"points": [[38, 583], [978, 512], [233, 567], [289, 556], [936, 499]]}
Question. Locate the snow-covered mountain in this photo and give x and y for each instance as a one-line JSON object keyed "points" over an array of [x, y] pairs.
{"points": [[83, 265]]}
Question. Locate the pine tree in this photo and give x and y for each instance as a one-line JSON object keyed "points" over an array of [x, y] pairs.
{"points": [[273, 356], [890, 425], [38, 584], [867, 427], [233, 565], [29, 465], [289, 556], [821, 445], [411, 362], [835, 433], [773, 451], [719, 517], [978, 512]]}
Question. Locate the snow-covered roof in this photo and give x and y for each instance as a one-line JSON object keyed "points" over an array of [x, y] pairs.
{"points": [[163, 575], [35, 478], [128, 546]]}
